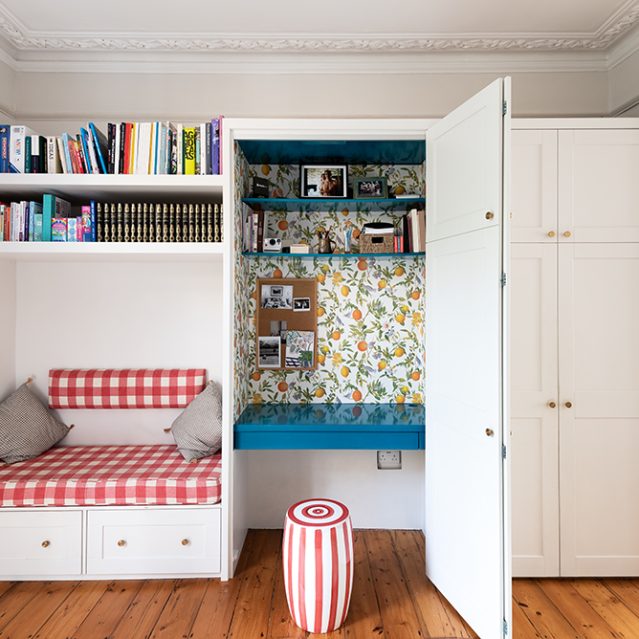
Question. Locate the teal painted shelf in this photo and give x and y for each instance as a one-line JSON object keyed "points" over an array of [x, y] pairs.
{"points": [[331, 427], [323, 203], [347, 256]]}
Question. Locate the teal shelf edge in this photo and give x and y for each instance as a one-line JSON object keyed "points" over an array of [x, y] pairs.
{"points": [[346, 256], [319, 204], [331, 427]]}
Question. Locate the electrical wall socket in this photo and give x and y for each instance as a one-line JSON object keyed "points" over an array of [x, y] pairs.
{"points": [[389, 460]]}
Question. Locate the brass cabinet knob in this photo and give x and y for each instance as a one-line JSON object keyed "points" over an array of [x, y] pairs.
{"points": [[185, 542], [46, 543], [568, 404], [490, 432], [121, 543], [551, 234], [567, 233], [552, 404], [490, 215]]}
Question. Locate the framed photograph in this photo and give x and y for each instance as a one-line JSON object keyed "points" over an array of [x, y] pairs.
{"points": [[277, 296], [370, 187], [300, 347], [323, 180], [269, 352], [301, 304]]}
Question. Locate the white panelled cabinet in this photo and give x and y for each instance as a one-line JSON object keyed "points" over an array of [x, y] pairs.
{"points": [[575, 349]]}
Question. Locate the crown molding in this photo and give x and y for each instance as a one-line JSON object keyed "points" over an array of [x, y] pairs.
{"points": [[26, 50], [623, 49]]}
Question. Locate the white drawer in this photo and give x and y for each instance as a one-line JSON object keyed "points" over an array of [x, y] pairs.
{"points": [[153, 541], [40, 543]]}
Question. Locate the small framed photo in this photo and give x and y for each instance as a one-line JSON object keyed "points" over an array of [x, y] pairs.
{"points": [[370, 187], [300, 348], [277, 296], [301, 304], [269, 352], [323, 180]]}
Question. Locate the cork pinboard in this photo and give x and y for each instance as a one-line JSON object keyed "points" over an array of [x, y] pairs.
{"points": [[286, 324]]}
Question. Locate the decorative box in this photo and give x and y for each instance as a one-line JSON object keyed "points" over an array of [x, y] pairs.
{"points": [[377, 237]]}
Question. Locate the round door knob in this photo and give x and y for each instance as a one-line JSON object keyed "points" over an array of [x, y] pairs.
{"points": [[185, 542], [490, 215], [551, 234], [568, 404], [121, 542], [46, 543], [552, 404], [490, 432], [567, 233]]}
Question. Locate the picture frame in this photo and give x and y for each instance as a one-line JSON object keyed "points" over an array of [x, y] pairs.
{"points": [[301, 304], [373, 187], [269, 351], [324, 181]]}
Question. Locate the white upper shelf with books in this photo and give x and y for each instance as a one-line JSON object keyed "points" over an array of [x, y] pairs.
{"points": [[99, 186], [116, 251]]}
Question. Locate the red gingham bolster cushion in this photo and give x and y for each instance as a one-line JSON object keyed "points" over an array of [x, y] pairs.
{"points": [[110, 476], [125, 388]]}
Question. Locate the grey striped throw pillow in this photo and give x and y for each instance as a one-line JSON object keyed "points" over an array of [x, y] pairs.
{"points": [[198, 429], [27, 427]]}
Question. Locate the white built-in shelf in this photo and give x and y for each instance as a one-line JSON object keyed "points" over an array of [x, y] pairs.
{"points": [[110, 186], [116, 251]]}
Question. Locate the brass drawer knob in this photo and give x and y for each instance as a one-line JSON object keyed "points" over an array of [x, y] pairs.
{"points": [[489, 432], [121, 543], [552, 404], [568, 404], [490, 215], [185, 542], [46, 543], [567, 233], [551, 234]]}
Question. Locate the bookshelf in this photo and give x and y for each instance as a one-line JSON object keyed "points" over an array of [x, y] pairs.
{"points": [[345, 256], [371, 205]]}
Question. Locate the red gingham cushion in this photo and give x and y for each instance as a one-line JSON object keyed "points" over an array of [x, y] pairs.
{"points": [[126, 388], [110, 476]]}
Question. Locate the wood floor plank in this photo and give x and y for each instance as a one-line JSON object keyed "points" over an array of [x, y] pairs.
{"points": [[107, 612], [37, 611], [522, 628], [627, 590], [17, 597], [251, 616], [73, 611], [399, 618], [216, 612], [181, 609], [438, 619], [614, 612], [575, 609], [541, 612], [145, 609], [5, 586]]}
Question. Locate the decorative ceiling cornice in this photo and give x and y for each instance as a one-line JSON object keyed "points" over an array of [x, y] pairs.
{"points": [[23, 40]]}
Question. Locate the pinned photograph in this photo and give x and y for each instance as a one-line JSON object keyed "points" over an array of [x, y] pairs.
{"points": [[300, 346], [277, 296], [269, 352], [301, 304]]}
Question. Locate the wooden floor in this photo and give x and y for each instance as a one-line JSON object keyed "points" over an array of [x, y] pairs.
{"points": [[391, 599]]}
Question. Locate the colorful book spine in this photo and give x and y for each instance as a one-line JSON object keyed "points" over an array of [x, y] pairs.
{"points": [[5, 142], [189, 150], [86, 225], [100, 145], [52, 208], [36, 207], [215, 146], [93, 219], [59, 229]]}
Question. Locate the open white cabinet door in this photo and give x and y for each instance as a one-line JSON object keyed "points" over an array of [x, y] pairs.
{"points": [[467, 511]]}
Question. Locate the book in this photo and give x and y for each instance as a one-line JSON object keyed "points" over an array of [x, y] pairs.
{"points": [[126, 223], [5, 142], [83, 139], [189, 150], [53, 157], [178, 223], [59, 229], [143, 148], [36, 207], [52, 207], [86, 224], [157, 213], [99, 145], [215, 146], [66, 144], [62, 155], [72, 229], [18, 135]]}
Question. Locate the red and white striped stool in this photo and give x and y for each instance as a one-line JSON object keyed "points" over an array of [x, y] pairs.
{"points": [[318, 564]]}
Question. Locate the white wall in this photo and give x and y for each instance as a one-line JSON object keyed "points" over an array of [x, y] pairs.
{"points": [[117, 315], [376, 498], [7, 92], [624, 86], [53, 102], [7, 327]]}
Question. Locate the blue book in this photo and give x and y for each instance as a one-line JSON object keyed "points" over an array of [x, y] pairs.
{"points": [[5, 139], [101, 145], [66, 139], [30, 222], [94, 222], [36, 211], [215, 145], [84, 139]]}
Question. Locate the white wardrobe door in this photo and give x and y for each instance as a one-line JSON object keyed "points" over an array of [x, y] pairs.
{"points": [[599, 408], [534, 421], [599, 186], [534, 186]]}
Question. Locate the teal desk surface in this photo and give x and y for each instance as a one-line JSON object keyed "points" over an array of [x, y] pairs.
{"points": [[331, 426]]}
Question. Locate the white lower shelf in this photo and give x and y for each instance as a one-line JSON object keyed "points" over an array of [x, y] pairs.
{"points": [[104, 251]]}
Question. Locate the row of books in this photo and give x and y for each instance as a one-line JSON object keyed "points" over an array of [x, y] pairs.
{"points": [[55, 220], [141, 148], [410, 233]]}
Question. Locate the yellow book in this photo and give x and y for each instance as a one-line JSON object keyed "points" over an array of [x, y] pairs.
{"points": [[189, 150]]}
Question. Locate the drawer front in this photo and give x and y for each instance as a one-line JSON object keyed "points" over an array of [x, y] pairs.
{"points": [[40, 543], [157, 541]]}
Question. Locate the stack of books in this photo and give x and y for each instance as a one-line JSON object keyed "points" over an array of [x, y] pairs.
{"points": [[55, 220], [410, 233], [140, 148]]}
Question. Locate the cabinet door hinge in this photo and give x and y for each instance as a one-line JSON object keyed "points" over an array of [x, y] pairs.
{"points": [[505, 628], [503, 451], [502, 279], [504, 108]]}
